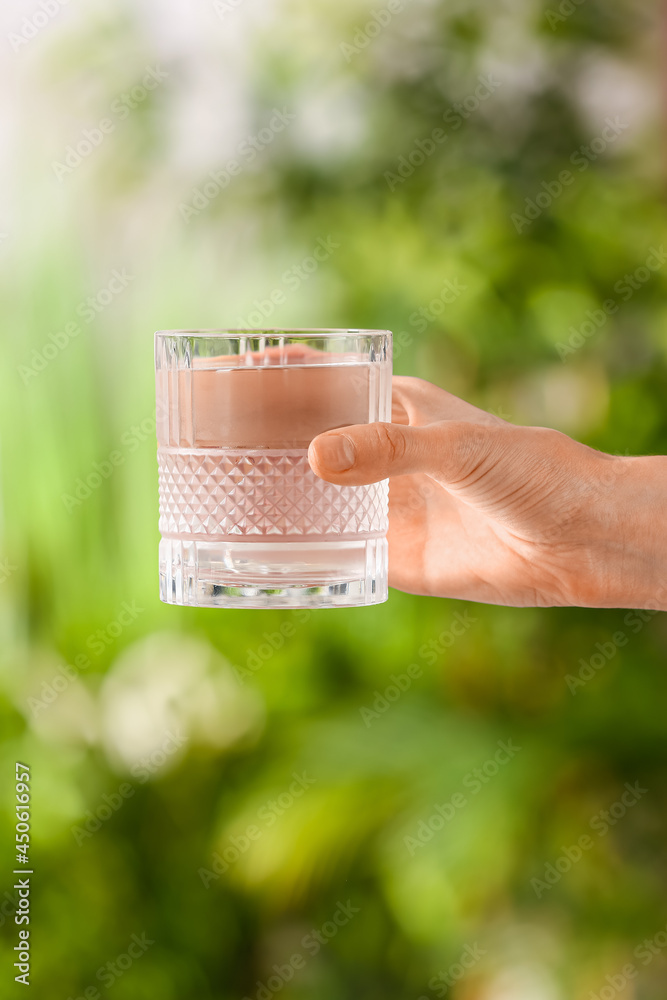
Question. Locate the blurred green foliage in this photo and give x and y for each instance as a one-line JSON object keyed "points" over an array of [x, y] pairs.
{"points": [[222, 709]]}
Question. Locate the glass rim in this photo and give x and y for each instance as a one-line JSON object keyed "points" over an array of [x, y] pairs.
{"points": [[237, 333]]}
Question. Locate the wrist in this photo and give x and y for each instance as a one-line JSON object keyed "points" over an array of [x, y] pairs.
{"points": [[635, 539]]}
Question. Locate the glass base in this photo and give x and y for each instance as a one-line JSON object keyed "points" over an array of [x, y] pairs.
{"points": [[273, 574]]}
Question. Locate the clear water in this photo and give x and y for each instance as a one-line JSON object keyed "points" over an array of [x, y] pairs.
{"points": [[244, 520]]}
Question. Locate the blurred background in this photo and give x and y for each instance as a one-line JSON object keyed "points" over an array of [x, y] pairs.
{"points": [[233, 805]]}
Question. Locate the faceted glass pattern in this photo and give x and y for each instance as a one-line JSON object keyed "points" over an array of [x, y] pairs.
{"points": [[216, 493]]}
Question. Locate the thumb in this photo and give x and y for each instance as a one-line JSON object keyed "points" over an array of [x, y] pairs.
{"points": [[367, 453]]}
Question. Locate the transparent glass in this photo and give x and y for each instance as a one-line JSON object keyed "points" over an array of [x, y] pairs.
{"points": [[244, 521]]}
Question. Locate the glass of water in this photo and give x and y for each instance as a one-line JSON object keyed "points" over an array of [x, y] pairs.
{"points": [[244, 521]]}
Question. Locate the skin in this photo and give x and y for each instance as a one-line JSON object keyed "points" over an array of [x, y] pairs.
{"points": [[483, 510]]}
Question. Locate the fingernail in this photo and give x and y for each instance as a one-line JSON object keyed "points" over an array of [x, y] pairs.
{"points": [[336, 452]]}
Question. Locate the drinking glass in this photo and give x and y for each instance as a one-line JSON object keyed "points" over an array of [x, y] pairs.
{"points": [[244, 521]]}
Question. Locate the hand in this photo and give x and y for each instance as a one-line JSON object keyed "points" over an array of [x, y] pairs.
{"points": [[483, 510]]}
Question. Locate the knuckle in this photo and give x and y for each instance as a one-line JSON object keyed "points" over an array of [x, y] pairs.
{"points": [[393, 439], [465, 438], [465, 448], [413, 391]]}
